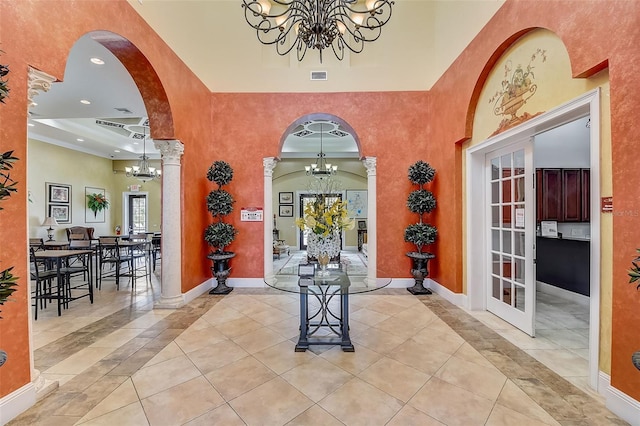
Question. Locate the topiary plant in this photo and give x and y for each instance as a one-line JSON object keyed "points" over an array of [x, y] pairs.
{"points": [[220, 234], [220, 204], [421, 201]]}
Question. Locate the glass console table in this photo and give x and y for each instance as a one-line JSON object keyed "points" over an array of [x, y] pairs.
{"points": [[324, 303]]}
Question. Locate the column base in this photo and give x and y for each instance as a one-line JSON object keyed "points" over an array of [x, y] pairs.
{"points": [[174, 302]]}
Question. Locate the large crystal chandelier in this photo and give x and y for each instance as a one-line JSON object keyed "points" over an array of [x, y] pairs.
{"points": [[317, 24]]}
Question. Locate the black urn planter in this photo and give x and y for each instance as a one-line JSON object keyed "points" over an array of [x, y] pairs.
{"points": [[221, 271], [635, 359], [3, 357], [419, 270]]}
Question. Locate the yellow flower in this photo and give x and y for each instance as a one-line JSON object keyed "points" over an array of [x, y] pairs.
{"points": [[323, 220]]}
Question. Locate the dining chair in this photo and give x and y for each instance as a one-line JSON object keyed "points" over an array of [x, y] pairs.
{"points": [[36, 243], [111, 255], [42, 275]]}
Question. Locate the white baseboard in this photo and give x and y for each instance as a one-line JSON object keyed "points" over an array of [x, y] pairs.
{"points": [[17, 402], [457, 299], [621, 404], [198, 290], [246, 282]]}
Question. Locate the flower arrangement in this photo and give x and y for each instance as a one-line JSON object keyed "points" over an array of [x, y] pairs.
{"points": [[324, 219], [97, 203]]}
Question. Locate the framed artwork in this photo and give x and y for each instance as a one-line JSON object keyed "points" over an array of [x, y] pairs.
{"points": [[357, 203], [89, 215], [286, 211], [58, 193], [58, 202], [286, 197], [60, 212], [362, 224]]}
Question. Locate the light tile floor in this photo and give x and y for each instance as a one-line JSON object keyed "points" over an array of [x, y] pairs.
{"points": [[229, 360]]}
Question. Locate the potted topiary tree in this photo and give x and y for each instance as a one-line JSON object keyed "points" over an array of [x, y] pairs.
{"points": [[420, 201], [220, 234]]}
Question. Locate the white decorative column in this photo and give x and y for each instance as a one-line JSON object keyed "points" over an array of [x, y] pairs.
{"points": [[269, 163], [372, 237], [38, 81], [171, 297]]}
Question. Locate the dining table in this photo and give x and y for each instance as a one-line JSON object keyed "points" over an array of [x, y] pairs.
{"points": [[59, 259]]}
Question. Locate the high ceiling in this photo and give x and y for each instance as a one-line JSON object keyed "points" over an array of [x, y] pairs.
{"points": [[213, 39]]}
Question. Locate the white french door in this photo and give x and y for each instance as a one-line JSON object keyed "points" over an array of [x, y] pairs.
{"points": [[511, 230]]}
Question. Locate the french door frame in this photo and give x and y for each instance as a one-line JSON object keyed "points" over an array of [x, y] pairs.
{"points": [[476, 220]]}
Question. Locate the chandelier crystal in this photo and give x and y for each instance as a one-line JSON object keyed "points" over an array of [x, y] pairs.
{"points": [[143, 171], [321, 168], [317, 24]]}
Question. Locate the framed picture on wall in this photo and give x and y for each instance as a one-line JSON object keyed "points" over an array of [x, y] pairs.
{"points": [[89, 215], [286, 211], [58, 201], [286, 198], [362, 224], [357, 203], [58, 193], [60, 212]]}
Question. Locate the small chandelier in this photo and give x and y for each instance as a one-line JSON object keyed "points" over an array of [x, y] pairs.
{"points": [[317, 24], [321, 168], [143, 170]]}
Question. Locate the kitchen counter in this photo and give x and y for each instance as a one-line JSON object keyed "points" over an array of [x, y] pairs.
{"points": [[564, 263]]}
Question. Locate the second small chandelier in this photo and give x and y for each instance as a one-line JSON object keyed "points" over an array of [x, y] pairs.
{"points": [[317, 24]]}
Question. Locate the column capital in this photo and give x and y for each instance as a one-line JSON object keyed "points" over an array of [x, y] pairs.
{"points": [[37, 81], [370, 164], [171, 150], [269, 163]]}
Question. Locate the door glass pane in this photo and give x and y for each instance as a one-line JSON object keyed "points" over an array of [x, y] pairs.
{"points": [[495, 216], [507, 292], [506, 266], [519, 270], [519, 189], [520, 298], [506, 216], [495, 240], [506, 241], [495, 288], [506, 191], [495, 192], [518, 163], [495, 262], [506, 162], [138, 206], [495, 168], [518, 243]]}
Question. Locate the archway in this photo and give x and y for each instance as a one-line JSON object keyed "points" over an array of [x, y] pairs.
{"points": [[353, 154]]}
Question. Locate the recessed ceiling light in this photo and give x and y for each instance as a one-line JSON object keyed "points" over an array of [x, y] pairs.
{"points": [[116, 150], [84, 101], [34, 104], [80, 140], [30, 124], [97, 61], [136, 143]]}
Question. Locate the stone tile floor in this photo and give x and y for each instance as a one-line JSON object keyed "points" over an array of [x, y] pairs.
{"points": [[229, 360]]}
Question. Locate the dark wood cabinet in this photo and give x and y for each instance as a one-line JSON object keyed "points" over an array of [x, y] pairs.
{"points": [[586, 194], [571, 195], [552, 194], [562, 195]]}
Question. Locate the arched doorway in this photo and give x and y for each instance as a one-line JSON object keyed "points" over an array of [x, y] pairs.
{"points": [[294, 153]]}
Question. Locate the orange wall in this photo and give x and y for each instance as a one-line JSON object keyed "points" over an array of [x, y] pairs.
{"points": [[40, 34], [391, 126]]}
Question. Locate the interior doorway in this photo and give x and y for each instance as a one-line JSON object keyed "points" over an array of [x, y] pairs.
{"points": [[479, 235]]}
